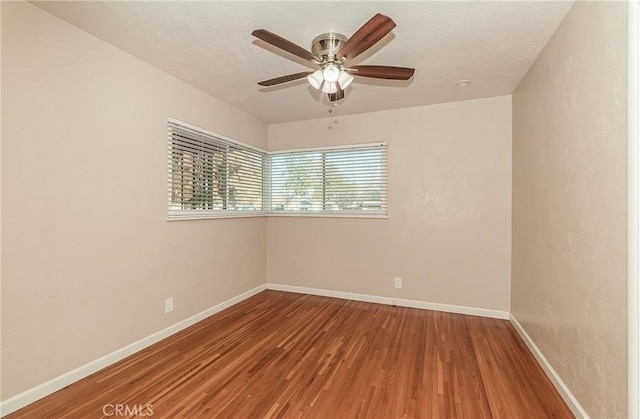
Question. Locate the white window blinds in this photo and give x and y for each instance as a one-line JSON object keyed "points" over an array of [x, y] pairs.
{"points": [[211, 176], [350, 180]]}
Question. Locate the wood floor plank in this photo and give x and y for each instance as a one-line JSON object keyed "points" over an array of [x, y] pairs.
{"points": [[285, 355]]}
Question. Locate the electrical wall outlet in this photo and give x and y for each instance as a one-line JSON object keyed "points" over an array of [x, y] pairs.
{"points": [[398, 282], [168, 305]]}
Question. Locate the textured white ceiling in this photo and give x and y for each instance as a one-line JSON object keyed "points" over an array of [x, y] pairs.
{"points": [[208, 44]]}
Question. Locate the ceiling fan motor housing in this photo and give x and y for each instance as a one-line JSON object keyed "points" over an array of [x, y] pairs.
{"points": [[327, 45]]}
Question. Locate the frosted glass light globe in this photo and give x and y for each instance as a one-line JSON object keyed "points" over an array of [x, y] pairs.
{"points": [[345, 79], [331, 73], [330, 87], [315, 79]]}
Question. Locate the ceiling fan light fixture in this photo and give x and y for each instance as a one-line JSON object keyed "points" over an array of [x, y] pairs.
{"points": [[331, 51], [345, 79], [315, 79], [330, 87], [331, 73]]}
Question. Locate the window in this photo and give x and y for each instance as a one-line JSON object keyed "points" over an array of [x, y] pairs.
{"points": [[211, 176], [351, 180]]}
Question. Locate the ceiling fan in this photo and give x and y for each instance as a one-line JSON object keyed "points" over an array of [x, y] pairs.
{"points": [[331, 51]]}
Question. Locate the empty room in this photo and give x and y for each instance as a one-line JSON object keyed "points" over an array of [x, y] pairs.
{"points": [[319, 209]]}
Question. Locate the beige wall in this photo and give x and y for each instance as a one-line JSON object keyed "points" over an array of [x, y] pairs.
{"points": [[88, 257], [0, 202], [448, 234], [569, 205]]}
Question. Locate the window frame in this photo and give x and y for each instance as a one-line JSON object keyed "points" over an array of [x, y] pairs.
{"points": [[332, 213], [213, 213], [267, 187]]}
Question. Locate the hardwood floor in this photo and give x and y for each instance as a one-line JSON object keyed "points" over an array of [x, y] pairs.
{"points": [[280, 354]]}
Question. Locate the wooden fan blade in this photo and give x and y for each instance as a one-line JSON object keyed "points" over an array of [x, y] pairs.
{"points": [[383, 72], [284, 79], [365, 37], [334, 97], [283, 44]]}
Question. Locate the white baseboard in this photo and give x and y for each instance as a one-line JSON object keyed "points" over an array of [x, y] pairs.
{"points": [[473, 311], [562, 388], [27, 397]]}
